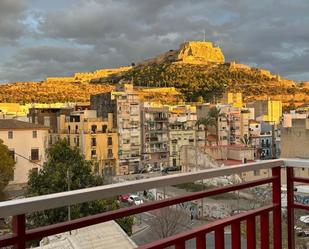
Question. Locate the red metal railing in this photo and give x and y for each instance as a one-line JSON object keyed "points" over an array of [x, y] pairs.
{"points": [[20, 235], [291, 179]]}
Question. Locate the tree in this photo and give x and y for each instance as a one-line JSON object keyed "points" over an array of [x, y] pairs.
{"points": [[246, 141], [66, 169], [212, 119], [6, 166], [168, 221], [214, 114], [206, 122], [200, 99]]}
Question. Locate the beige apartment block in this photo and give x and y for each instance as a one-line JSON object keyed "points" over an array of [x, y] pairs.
{"points": [[124, 104], [27, 143], [155, 140]]}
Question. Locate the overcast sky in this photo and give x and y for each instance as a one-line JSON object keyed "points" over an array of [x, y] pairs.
{"points": [[40, 38]]}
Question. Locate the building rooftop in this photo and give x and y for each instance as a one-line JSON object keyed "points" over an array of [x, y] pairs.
{"points": [[12, 124], [104, 235]]}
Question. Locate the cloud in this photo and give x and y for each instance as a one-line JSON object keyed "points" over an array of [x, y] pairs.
{"points": [[39, 62], [86, 35], [11, 16]]}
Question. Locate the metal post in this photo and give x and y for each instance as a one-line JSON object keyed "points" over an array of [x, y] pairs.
{"points": [[19, 229], [290, 206], [277, 234], [69, 187], [236, 241]]}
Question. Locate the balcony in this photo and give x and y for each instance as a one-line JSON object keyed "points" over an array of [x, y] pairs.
{"points": [[259, 226]]}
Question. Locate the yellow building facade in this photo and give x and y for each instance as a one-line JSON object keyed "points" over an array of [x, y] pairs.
{"points": [[96, 138], [234, 99], [274, 111]]}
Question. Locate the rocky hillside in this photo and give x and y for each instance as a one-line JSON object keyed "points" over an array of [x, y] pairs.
{"points": [[49, 92], [196, 69]]}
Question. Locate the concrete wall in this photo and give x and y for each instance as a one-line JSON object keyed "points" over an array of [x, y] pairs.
{"points": [[224, 153], [295, 140]]}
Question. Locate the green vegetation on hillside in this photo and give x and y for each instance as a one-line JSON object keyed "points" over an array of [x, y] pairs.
{"points": [[208, 81], [197, 81]]}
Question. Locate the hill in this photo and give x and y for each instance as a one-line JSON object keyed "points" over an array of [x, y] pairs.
{"points": [[49, 92], [196, 69]]}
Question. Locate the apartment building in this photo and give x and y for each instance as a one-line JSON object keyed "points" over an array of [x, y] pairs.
{"points": [[124, 104], [96, 138], [254, 136], [154, 136], [234, 99], [287, 118], [233, 125], [182, 132], [27, 143], [49, 117], [295, 139], [267, 110]]}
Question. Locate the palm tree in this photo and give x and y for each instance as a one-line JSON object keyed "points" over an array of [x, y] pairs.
{"points": [[214, 114], [206, 122], [245, 140]]}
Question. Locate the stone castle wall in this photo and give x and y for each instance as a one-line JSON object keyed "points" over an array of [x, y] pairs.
{"points": [[197, 52]]}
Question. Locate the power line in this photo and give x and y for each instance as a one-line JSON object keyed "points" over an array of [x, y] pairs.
{"points": [[27, 159]]}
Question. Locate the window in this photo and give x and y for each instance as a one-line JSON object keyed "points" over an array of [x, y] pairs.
{"points": [[36, 170], [12, 154], [125, 141], [76, 141], [174, 148], [110, 153], [34, 134], [93, 141], [93, 154], [10, 134], [104, 128], [93, 128], [47, 121], [256, 172], [34, 154], [110, 141]]}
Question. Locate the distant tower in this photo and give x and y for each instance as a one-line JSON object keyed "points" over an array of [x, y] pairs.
{"points": [[204, 32]]}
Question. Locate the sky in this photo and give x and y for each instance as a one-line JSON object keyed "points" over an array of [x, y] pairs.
{"points": [[41, 38]]}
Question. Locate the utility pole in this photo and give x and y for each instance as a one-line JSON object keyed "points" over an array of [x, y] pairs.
{"points": [[273, 137], [69, 188]]}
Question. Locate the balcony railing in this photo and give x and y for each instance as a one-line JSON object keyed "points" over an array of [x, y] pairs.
{"points": [[19, 208]]}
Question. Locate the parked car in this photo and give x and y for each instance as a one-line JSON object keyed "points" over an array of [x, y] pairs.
{"points": [[306, 233], [124, 198], [168, 169], [155, 169], [135, 200]]}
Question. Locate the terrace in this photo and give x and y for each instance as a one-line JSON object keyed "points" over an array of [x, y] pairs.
{"points": [[263, 225]]}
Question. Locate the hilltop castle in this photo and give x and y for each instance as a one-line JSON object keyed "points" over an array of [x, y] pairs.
{"points": [[198, 52]]}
